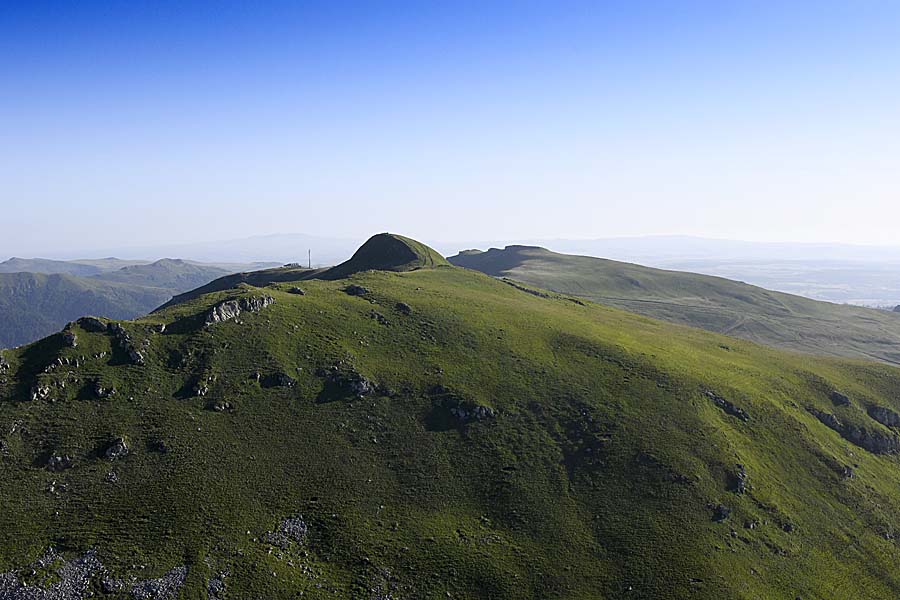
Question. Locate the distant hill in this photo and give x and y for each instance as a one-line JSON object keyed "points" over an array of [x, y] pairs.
{"points": [[433, 433], [36, 304], [84, 268], [712, 303]]}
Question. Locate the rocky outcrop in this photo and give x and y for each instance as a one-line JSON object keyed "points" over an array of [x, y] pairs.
{"points": [[348, 381], [232, 309], [117, 449], [102, 392], [873, 441], [356, 290], [297, 291], [738, 482], [839, 399], [60, 462], [72, 579], [166, 587], [40, 392], [403, 308], [126, 343], [727, 406], [70, 340], [92, 324], [885, 416]]}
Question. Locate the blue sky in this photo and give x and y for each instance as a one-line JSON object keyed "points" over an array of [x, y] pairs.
{"points": [[136, 123]]}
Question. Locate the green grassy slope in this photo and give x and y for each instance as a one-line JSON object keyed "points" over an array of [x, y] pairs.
{"points": [[712, 303], [604, 446]]}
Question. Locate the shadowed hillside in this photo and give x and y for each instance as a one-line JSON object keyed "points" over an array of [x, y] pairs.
{"points": [[711, 303]]}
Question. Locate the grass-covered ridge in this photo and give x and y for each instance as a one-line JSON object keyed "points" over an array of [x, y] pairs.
{"points": [[443, 433], [712, 303]]}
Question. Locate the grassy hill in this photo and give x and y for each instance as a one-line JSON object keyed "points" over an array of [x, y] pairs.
{"points": [[712, 303], [33, 305], [437, 433]]}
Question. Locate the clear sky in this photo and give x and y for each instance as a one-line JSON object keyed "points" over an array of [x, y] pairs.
{"points": [[128, 122]]}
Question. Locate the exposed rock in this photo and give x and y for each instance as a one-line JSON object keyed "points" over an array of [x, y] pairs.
{"points": [[462, 409], [296, 290], [220, 406], [102, 392], [40, 392], [164, 588], [117, 449], [92, 324], [215, 587], [403, 308], [292, 529], [348, 381], [720, 513], [873, 441], [738, 482], [70, 339], [161, 328], [885, 416], [231, 309], [728, 406], [58, 462], [839, 399], [3, 364], [356, 290], [378, 317], [72, 579], [279, 380]]}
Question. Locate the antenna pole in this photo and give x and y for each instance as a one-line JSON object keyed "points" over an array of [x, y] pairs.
{"points": [[309, 257]]}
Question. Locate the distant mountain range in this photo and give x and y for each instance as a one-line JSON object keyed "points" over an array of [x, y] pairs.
{"points": [[39, 296]]}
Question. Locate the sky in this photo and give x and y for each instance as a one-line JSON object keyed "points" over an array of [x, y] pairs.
{"points": [[135, 123]]}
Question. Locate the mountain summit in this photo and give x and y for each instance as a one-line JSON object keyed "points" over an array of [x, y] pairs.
{"points": [[388, 252]]}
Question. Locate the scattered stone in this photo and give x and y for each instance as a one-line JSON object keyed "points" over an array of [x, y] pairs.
{"points": [[220, 406], [885, 416], [873, 441], [71, 581], [403, 308], [117, 449], [201, 389], [378, 317], [297, 291], [92, 324], [164, 588], [112, 477], [231, 309], [58, 462], [292, 529], [356, 290], [727, 406], [839, 399]]}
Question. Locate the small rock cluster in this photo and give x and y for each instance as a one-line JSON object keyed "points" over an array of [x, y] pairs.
{"points": [[292, 529], [297, 291], [60, 462], [347, 380], [70, 340], [727, 406], [117, 449], [739, 483], [72, 579], [163, 588], [231, 309], [356, 290], [102, 392]]}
